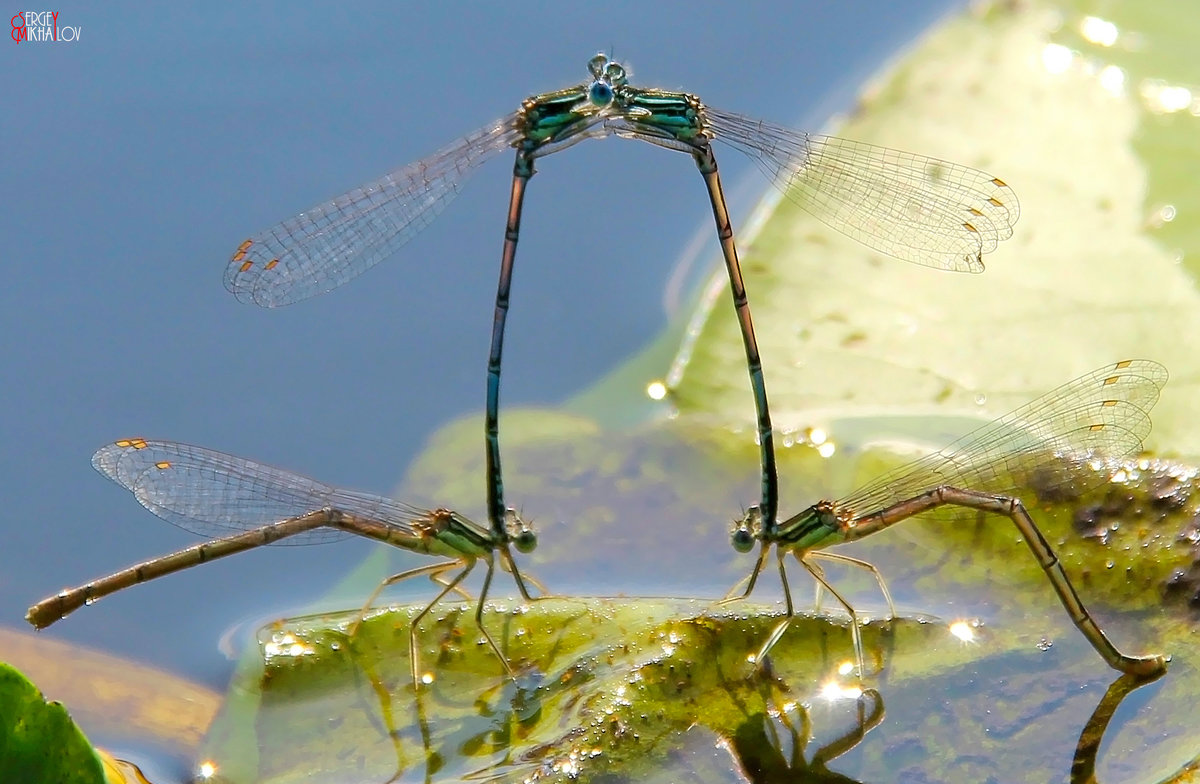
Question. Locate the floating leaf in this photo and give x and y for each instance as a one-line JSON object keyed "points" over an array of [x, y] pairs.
{"points": [[38, 740]]}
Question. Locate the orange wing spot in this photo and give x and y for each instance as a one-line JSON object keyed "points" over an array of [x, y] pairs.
{"points": [[1111, 380], [132, 443], [975, 212], [970, 228], [999, 183], [1096, 427], [1124, 363], [271, 264], [245, 246], [241, 254], [162, 464], [1108, 403], [995, 202], [246, 265]]}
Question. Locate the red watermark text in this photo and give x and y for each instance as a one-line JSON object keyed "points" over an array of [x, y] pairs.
{"points": [[43, 27]]}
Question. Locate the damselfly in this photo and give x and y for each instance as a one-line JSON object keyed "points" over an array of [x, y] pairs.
{"points": [[912, 207], [248, 504], [1067, 439]]}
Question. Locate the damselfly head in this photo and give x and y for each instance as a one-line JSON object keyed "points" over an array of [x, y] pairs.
{"points": [[519, 532], [607, 75], [747, 530]]}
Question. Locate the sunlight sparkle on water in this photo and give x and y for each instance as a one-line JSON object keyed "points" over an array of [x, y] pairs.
{"points": [[1112, 79], [1057, 58], [833, 691], [1098, 31], [1163, 98], [963, 631], [656, 390], [286, 644], [845, 668], [206, 770]]}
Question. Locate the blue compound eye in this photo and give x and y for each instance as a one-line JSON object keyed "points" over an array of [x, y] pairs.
{"points": [[600, 94]]}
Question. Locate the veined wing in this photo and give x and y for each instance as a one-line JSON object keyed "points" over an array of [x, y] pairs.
{"points": [[919, 209], [1049, 443], [335, 242], [214, 494]]}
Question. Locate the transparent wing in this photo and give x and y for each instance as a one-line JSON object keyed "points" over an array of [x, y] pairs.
{"points": [[335, 242], [919, 209], [1045, 446], [214, 494]]}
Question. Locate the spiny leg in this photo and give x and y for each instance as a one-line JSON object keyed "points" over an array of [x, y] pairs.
{"points": [[437, 579], [780, 627], [818, 588], [509, 565], [487, 581], [1013, 509], [838, 557], [752, 579], [413, 655], [855, 633], [433, 570]]}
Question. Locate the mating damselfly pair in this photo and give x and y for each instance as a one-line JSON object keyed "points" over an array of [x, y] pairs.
{"points": [[1066, 439], [912, 207]]}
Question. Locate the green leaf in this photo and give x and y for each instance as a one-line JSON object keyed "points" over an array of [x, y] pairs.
{"points": [[646, 688], [38, 740], [1091, 275], [598, 674]]}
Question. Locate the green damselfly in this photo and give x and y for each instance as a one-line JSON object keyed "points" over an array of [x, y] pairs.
{"points": [[248, 504], [912, 207], [1062, 441]]}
